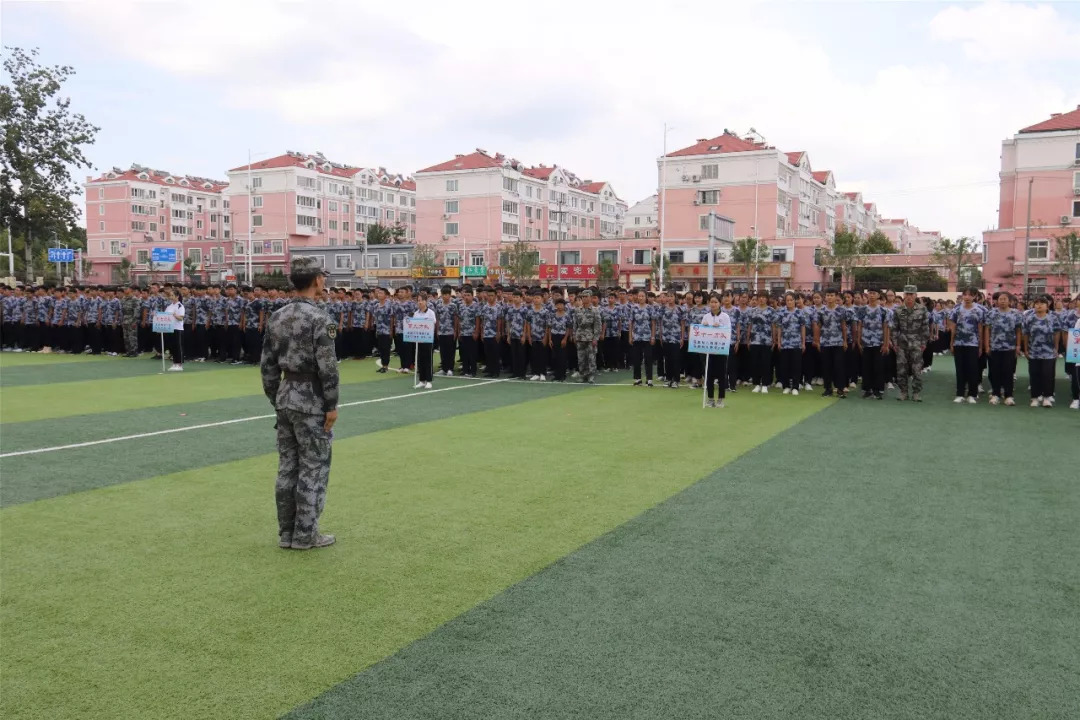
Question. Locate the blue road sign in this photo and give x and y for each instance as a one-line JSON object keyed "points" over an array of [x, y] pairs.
{"points": [[163, 255], [61, 255]]}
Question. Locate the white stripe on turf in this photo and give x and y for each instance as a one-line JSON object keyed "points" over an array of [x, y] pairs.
{"points": [[139, 436]]}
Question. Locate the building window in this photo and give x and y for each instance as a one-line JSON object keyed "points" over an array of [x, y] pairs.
{"points": [[345, 226], [403, 200], [142, 257], [510, 229], [637, 233], [451, 259], [306, 220], [450, 207], [570, 257], [343, 262], [256, 220], [1036, 286], [510, 207], [451, 186], [510, 184], [213, 232], [332, 205], [611, 256], [389, 214], [1038, 249], [1076, 208], [642, 257], [114, 247], [476, 258], [703, 222], [779, 255], [217, 256], [676, 256], [451, 229], [305, 201], [710, 172], [333, 224], [136, 226], [399, 260], [372, 261], [198, 225], [1076, 180], [195, 255], [225, 234], [100, 209], [709, 197], [179, 230], [257, 201], [256, 182]]}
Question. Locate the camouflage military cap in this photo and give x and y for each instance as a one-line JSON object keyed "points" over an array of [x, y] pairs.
{"points": [[585, 293], [911, 290], [306, 265]]}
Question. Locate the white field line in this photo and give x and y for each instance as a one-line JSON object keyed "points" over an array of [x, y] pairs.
{"points": [[139, 436]]}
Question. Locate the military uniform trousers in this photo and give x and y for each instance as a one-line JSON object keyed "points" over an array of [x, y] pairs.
{"points": [[303, 473], [909, 364], [131, 336], [586, 354]]}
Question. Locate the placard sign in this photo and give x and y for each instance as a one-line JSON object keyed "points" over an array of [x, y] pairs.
{"points": [[163, 322], [419, 330], [1072, 348], [710, 340]]}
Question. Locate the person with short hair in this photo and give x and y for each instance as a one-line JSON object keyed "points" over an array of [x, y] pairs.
{"points": [[1041, 330], [1002, 342], [966, 326], [716, 370], [831, 340], [873, 333], [560, 332]]}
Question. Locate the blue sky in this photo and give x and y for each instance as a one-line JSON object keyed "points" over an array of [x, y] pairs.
{"points": [[907, 102]]}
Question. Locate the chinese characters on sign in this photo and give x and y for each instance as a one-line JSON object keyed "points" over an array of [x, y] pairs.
{"points": [[710, 340], [571, 272]]}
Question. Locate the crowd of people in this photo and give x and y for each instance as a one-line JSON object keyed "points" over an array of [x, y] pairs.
{"points": [[839, 341]]}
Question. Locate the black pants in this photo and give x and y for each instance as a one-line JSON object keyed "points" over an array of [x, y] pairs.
{"points": [[1073, 370], [832, 368], [742, 362], [382, 345], [424, 360], [538, 357], [405, 351], [517, 358], [468, 354], [624, 350], [966, 360], [732, 359], [199, 342], [810, 363], [761, 364], [873, 369], [852, 364], [1042, 377], [492, 358], [252, 345], [558, 357], [1002, 367], [218, 345], [791, 367], [446, 353], [612, 353], [642, 350], [717, 373], [234, 342], [174, 341], [672, 358]]}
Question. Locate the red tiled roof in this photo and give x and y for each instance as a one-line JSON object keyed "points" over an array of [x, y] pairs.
{"points": [[402, 185], [1064, 121], [795, 157], [868, 205], [295, 160], [822, 176], [473, 161], [725, 143], [158, 177], [593, 187], [894, 220], [540, 173]]}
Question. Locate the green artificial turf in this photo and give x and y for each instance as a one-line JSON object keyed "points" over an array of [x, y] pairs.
{"points": [[881, 560], [46, 373], [13, 359], [168, 598]]}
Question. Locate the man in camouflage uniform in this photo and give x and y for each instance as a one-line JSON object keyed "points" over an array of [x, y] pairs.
{"points": [[130, 316], [911, 332], [300, 376], [587, 328]]}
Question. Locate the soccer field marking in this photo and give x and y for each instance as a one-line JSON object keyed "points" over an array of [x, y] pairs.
{"points": [[139, 436]]}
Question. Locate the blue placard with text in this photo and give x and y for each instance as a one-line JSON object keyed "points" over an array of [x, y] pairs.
{"points": [[163, 322], [61, 255], [419, 330], [1072, 347], [710, 340]]}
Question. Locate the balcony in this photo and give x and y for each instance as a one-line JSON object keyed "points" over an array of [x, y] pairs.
{"points": [[306, 230]]}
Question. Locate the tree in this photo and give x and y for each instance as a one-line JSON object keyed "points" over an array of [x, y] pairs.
{"points": [[877, 244], [43, 141], [843, 254], [123, 272], [1067, 259], [398, 233], [752, 254], [953, 254], [520, 261], [190, 266], [424, 262], [655, 274], [605, 272], [379, 234]]}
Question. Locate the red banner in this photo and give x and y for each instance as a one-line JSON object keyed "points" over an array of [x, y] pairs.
{"points": [[572, 272]]}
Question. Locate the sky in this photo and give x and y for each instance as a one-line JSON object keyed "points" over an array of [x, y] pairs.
{"points": [[907, 102]]}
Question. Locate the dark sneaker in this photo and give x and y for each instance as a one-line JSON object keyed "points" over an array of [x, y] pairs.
{"points": [[316, 542], [827, 393], [901, 397], [637, 383], [916, 397], [867, 395], [285, 540]]}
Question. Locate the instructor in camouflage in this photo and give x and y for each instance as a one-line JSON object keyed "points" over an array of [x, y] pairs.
{"points": [[130, 315], [300, 376], [911, 332], [587, 328]]}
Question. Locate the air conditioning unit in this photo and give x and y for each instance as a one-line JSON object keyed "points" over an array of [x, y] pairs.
{"points": [[1076, 161], [685, 178], [696, 178], [1076, 191], [1065, 219], [445, 217], [697, 202]]}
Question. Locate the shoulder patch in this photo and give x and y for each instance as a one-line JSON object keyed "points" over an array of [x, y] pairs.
{"points": [[331, 330]]}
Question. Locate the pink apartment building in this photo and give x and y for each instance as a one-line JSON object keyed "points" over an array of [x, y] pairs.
{"points": [[131, 212], [907, 238], [1040, 167]]}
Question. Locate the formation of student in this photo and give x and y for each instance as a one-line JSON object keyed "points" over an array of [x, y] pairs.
{"points": [[840, 341]]}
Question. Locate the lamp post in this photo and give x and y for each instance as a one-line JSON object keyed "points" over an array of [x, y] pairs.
{"points": [[663, 206]]}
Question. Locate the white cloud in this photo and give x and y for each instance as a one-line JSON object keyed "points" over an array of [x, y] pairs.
{"points": [[589, 85], [1010, 32]]}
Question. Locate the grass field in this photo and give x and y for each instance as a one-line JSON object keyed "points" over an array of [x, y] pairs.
{"points": [[521, 550]]}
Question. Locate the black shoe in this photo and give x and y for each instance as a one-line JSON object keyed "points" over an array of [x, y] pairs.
{"points": [[842, 395], [638, 382], [879, 396], [827, 393], [649, 383], [867, 395]]}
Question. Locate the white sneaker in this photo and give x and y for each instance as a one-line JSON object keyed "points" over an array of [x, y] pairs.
{"points": [[1009, 401], [794, 392], [778, 385], [994, 400], [764, 390], [540, 378], [449, 373], [851, 386], [808, 386], [1074, 405], [1047, 402], [441, 373], [534, 377], [427, 386], [889, 386], [418, 386], [710, 403], [176, 368], [958, 399], [787, 391], [971, 401], [1035, 402], [378, 363], [757, 389], [719, 403]]}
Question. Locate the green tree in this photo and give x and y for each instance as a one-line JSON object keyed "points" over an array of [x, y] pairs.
{"points": [[1067, 259], [43, 140], [424, 262], [605, 272], [752, 254], [379, 234], [843, 254], [190, 266], [520, 261], [953, 255], [123, 272], [878, 243], [398, 233]]}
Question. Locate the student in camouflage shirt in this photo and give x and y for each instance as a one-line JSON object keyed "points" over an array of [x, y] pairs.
{"points": [[1041, 330], [830, 338], [381, 321], [469, 322], [873, 336], [560, 333], [491, 324], [966, 324], [790, 323], [447, 330], [642, 338], [759, 336], [1002, 342], [672, 334], [538, 337]]}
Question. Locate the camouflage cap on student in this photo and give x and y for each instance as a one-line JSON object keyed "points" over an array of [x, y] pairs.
{"points": [[911, 290]]}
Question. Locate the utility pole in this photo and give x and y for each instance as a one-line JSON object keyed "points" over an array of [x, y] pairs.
{"points": [[1027, 241], [663, 210], [558, 251], [10, 252], [59, 276], [712, 247]]}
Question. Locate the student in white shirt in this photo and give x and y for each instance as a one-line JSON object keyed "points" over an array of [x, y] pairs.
{"points": [[175, 308], [423, 350], [717, 371]]}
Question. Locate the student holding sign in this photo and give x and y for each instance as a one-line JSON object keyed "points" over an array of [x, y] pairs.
{"points": [[175, 309], [424, 349], [715, 364]]}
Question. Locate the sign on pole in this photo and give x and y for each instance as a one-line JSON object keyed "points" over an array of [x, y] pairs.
{"points": [[475, 271], [419, 330], [1072, 351], [64, 255], [710, 340], [163, 322]]}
